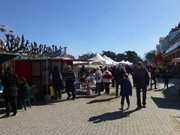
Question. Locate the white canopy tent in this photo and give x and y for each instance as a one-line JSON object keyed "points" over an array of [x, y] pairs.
{"points": [[125, 62], [128, 63], [111, 61], [122, 62], [98, 59], [105, 60]]}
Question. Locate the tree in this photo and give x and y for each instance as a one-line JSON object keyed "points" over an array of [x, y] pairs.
{"points": [[110, 54], [87, 56], [132, 56], [2, 29], [150, 56], [120, 57], [14, 44], [38, 50]]}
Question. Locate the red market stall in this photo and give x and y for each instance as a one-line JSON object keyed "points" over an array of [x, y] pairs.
{"points": [[37, 71]]}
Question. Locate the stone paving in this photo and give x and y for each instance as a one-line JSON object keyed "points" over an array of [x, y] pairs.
{"points": [[97, 116]]}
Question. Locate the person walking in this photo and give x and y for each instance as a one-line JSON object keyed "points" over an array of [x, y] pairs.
{"points": [[10, 91], [153, 77], [112, 70], [126, 91], [107, 77], [21, 94], [141, 81], [27, 93], [166, 78], [98, 77], [102, 83], [57, 82], [118, 75], [69, 78]]}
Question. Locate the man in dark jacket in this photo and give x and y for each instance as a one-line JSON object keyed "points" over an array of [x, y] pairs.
{"points": [[166, 78], [10, 91], [69, 78], [118, 76], [141, 81], [57, 82]]}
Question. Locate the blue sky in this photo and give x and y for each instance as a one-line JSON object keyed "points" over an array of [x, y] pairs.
{"points": [[92, 25]]}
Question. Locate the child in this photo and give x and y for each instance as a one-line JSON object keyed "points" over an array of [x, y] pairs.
{"points": [[126, 91]]}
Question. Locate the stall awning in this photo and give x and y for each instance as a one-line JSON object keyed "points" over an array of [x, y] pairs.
{"points": [[6, 57], [176, 60], [173, 47]]}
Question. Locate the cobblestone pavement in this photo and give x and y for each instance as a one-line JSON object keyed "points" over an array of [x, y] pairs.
{"points": [[97, 116]]}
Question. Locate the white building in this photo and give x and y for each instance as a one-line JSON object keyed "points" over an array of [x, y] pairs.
{"points": [[169, 46]]}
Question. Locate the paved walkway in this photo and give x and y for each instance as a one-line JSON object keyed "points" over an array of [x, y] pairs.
{"points": [[98, 116]]}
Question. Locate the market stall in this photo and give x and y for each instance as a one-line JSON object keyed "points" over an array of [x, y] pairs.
{"points": [[37, 71]]}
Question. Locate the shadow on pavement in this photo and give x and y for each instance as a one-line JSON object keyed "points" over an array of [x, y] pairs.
{"points": [[3, 117], [86, 96], [166, 103], [171, 93], [111, 116], [53, 102], [50, 102], [2, 111], [171, 99], [101, 100], [159, 90]]}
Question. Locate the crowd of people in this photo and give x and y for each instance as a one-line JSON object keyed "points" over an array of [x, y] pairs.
{"points": [[143, 76], [164, 73], [118, 76], [18, 93]]}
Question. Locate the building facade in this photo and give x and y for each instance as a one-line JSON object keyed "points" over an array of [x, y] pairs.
{"points": [[169, 46]]}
